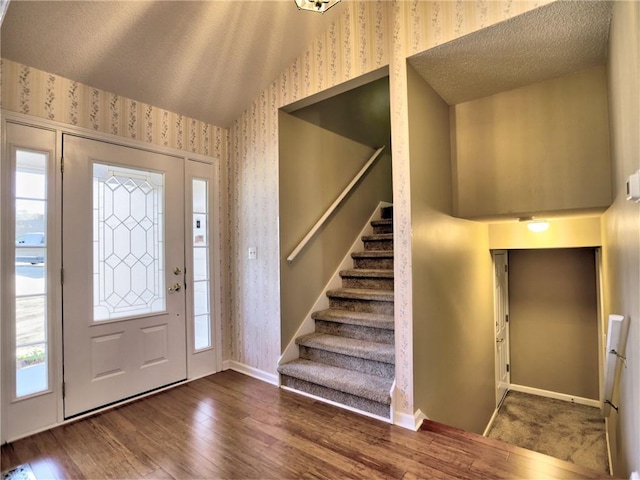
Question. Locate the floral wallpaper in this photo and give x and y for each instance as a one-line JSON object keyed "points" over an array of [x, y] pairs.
{"points": [[367, 36], [34, 92]]}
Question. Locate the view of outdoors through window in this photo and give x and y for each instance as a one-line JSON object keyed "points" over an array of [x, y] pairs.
{"points": [[201, 301], [31, 344]]}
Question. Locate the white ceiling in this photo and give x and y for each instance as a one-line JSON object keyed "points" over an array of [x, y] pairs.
{"points": [[204, 59], [545, 43]]}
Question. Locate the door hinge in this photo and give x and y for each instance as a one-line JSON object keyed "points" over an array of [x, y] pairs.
{"points": [[61, 164], [507, 368], [506, 269], [62, 276], [64, 389], [507, 317]]}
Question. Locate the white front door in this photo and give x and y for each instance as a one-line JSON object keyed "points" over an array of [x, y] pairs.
{"points": [[503, 378], [123, 265]]}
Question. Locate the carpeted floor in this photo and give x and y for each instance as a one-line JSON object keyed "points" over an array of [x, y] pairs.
{"points": [[564, 430]]}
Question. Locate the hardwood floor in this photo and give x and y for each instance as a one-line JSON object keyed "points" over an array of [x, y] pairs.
{"points": [[232, 426]]}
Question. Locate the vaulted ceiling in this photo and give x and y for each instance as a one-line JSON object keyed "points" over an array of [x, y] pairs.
{"points": [[204, 59], [210, 59]]}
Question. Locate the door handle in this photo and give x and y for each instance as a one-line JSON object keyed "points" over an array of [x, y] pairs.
{"points": [[499, 340], [175, 287]]}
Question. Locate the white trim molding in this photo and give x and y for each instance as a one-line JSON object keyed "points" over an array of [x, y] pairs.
{"points": [[408, 421], [590, 402], [491, 421], [271, 378]]}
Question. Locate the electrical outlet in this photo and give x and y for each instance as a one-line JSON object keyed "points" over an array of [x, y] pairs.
{"points": [[252, 253]]}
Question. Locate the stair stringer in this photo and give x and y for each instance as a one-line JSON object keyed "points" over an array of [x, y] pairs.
{"points": [[292, 351]]}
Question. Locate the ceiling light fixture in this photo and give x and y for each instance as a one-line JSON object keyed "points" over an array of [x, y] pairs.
{"points": [[538, 226], [534, 225], [316, 5]]}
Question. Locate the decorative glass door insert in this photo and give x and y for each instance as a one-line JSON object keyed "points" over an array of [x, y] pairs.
{"points": [[128, 242]]}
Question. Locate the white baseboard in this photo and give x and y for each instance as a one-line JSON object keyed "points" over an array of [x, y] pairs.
{"points": [[606, 431], [271, 378], [558, 396], [491, 420], [408, 421]]}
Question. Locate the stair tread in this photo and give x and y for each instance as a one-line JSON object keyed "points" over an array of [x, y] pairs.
{"points": [[384, 221], [373, 254], [379, 352], [362, 294], [367, 273], [364, 319], [354, 383], [377, 236]]}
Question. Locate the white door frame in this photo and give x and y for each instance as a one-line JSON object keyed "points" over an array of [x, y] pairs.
{"points": [[55, 257], [504, 339]]}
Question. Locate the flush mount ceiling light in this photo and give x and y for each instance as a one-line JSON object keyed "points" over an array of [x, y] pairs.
{"points": [[316, 5], [534, 225], [538, 226]]}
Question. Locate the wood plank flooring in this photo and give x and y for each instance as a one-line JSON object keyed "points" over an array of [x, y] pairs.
{"points": [[232, 426]]}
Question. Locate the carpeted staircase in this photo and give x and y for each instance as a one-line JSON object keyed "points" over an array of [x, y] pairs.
{"points": [[350, 358]]}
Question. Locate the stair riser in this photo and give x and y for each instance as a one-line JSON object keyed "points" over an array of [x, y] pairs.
{"points": [[358, 332], [386, 212], [378, 229], [379, 263], [362, 365], [377, 245], [373, 283], [366, 405], [354, 305]]}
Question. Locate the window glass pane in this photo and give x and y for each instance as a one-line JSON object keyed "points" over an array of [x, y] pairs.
{"points": [[31, 181], [201, 300], [128, 242], [202, 332], [200, 264], [31, 369], [199, 196], [32, 373], [199, 229]]}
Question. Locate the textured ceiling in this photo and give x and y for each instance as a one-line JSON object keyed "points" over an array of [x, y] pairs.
{"points": [[548, 42], [204, 59]]}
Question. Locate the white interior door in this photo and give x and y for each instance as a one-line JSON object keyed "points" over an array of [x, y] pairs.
{"points": [[123, 261], [503, 378]]}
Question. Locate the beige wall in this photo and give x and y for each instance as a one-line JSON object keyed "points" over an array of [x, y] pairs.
{"points": [[525, 150], [562, 233], [621, 229], [453, 360], [553, 320], [315, 166]]}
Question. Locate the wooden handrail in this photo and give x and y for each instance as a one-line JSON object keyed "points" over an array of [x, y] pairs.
{"points": [[334, 205]]}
